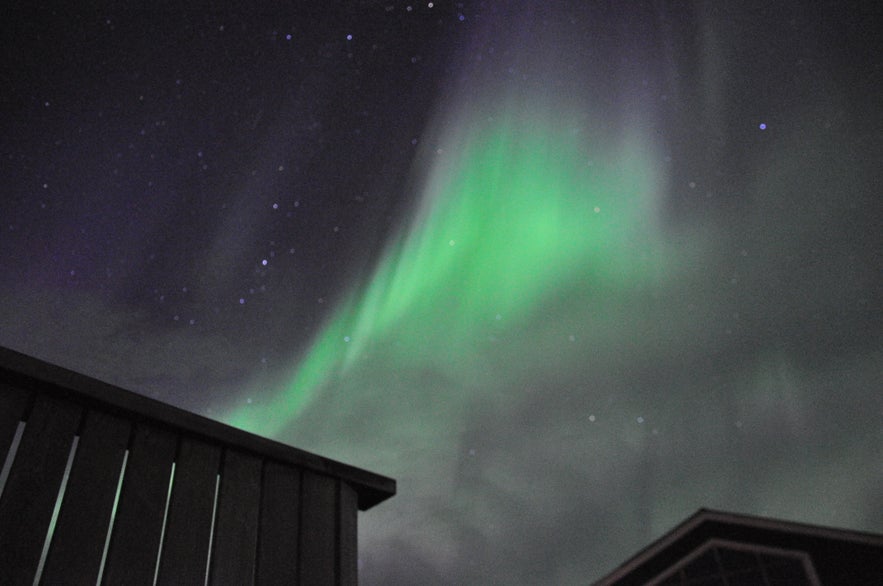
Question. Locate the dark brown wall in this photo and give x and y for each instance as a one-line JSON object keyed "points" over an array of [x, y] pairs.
{"points": [[188, 501]]}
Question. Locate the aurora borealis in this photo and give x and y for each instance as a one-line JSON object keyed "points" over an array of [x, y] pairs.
{"points": [[517, 216], [567, 272]]}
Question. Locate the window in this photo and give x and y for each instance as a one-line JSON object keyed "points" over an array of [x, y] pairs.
{"points": [[729, 563]]}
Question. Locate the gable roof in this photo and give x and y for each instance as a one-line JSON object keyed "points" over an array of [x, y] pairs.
{"points": [[828, 555]]}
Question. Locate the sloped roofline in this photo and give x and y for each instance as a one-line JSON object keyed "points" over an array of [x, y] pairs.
{"points": [[703, 515], [31, 373]]}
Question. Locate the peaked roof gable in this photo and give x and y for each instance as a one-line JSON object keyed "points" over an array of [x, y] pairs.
{"points": [[828, 555]]}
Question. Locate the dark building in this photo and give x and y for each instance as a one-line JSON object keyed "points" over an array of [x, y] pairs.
{"points": [[99, 483], [714, 548]]}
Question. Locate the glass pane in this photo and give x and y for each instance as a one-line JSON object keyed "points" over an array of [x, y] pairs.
{"points": [[704, 565], [735, 560], [749, 578]]}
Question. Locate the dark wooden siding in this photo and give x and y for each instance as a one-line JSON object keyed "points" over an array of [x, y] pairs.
{"points": [[196, 500]]}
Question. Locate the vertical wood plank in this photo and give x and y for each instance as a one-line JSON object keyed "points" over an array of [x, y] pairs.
{"points": [[318, 536], [134, 542], [347, 539], [32, 487], [234, 548], [13, 402], [188, 528], [279, 525], [80, 533]]}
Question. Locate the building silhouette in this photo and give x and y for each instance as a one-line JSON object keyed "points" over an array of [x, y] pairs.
{"points": [[715, 548], [101, 485]]}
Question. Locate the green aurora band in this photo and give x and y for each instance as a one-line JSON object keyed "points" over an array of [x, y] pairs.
{"points": [[522, 216]]}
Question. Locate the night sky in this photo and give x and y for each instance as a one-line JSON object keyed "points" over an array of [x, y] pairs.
{"points": [[567, 271]]}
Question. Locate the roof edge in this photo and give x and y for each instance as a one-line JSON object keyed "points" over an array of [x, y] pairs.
{"points": [[41, 376], [704, 515]]}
